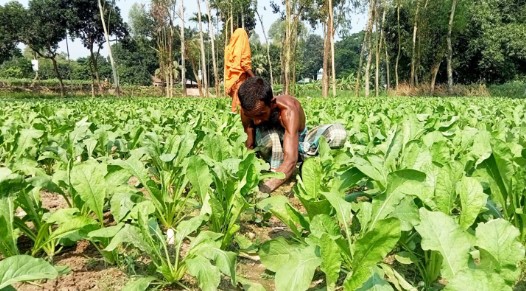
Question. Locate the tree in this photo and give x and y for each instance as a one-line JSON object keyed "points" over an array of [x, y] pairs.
{"points": [[45, 26], [450, 47], [312, 56], [103, 11], [212, 41], [16, 67], [183, 49], [204, 74], [88, 27], [11, 22], [266, 41], [162, 12], [135, 61]]}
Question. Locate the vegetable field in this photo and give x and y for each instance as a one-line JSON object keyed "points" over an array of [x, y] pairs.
{"points": [[427, 194]]}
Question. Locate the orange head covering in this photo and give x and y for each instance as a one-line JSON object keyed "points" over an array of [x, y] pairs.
{"points": [[237, 58]]}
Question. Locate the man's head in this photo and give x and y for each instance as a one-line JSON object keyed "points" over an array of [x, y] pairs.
{"points": [[256, 98]]}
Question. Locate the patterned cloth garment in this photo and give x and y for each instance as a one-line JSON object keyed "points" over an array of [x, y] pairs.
{"points": [[269, 142]]}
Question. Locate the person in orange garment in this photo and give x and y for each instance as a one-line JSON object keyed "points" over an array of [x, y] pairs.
{"points": [[238, 65]]}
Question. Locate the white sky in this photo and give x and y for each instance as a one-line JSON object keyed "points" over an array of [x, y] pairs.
{"points": [[77, 50]]}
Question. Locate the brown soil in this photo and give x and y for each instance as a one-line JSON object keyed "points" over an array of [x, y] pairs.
{"points": [[53, 201], [88, 272]]}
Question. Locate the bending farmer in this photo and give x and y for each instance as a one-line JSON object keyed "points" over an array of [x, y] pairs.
{"points": [[238, 65], [275, 126]]}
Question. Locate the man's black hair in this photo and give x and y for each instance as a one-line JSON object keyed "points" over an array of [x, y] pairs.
{"points": [[252, 90]]}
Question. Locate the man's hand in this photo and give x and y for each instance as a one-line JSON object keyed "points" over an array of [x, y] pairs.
{"points": [[271, 185]]}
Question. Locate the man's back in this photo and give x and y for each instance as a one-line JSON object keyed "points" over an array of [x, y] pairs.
{"points": [[285, 108]]}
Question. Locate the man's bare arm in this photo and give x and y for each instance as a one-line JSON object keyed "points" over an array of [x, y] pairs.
{"points": [[291, 122], [249, 130]]}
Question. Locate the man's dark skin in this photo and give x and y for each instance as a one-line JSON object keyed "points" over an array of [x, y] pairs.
{"points": [[292, 118]]}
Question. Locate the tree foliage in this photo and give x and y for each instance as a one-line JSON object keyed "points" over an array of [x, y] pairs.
{"points": [[11, 21]]}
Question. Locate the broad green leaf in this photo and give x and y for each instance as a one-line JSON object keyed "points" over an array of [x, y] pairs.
{"points": [[350, 178], [106, 232], [394, 143], [28, 167], [372, 167], [313, 207], [136, 169], [481, 147], [185, 147], [187, 227], [503, 159], [10, 182], [250, 286], [90, 146], [69, 220], [324, 224], [407, 213], [207, 275], [330, 260], [88, 181], [442, 234], [476, 280], [139, 284], [224, 260], [199, 176], [343, 208], [499, 239], [132, 235], [376, 283], [297, 272], [472, 200], [396, 278], [275, 253], [116, 178], [311, 175], [23, 268], [277, 205], [445, 187], [400, 184], [27, 140], [372, 248], [123, 203], [8, 237]]}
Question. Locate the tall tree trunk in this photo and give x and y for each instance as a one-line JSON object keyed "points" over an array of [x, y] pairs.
{"points": [[387, 67], [183, 55], [413, 51], [399, 43], [96, 70], [107, 36], [450, 48], [381, 43], [434, 73], [268, 46], [202, 44], [325, 73], [212, 40], [55, 66], [288, 44], [171, 57], [378, 46], [294, 46], [92, 70], [231, 18], [369, 52], [366, 42], [333, 67]]}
